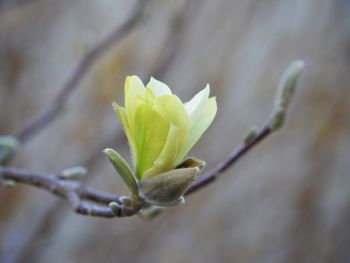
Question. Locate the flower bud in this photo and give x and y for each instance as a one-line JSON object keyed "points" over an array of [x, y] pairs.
{"points": [[8, 146], [151, 212], [160, 128], [73, 173], [167, 188], [285, 92], [250, 135]]}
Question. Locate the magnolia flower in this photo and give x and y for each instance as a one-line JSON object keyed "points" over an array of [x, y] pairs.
{"points": [[161, 130]]}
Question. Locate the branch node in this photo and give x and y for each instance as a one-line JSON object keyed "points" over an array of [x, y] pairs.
{"points": [[73, 173], [125, 200], [250, 135], [151, 212], [8, 183], [8, 146], [277, 119], [116, 209]]}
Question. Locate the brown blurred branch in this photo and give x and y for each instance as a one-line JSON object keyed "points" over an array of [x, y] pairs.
{"points": [[51, 111]]}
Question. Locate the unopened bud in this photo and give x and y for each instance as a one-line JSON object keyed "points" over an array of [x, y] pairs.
{"points": [[125, 200], [8, 183], [287, 84], [151, 212], [115, 208], [167, 188], [73, 173], [285, 92], [8, 146], [250, 135]]}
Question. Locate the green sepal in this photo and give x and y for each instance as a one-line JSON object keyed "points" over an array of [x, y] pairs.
{"points": [[123, 169]]}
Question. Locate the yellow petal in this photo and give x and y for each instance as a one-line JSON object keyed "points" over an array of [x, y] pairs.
{"points": [[204, 120], [167, 157], [149, 96], [195, 106], [172, 109], [134, 92], [158, 88], [151, 131], [121, 113]]}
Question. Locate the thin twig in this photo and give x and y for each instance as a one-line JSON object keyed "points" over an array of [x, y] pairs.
{"points": [[98, 197], [233, 157], [73, 191], [285, 92], [51, 111]]}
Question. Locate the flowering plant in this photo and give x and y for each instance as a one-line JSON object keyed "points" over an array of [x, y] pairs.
{"points": [[161, 130]]}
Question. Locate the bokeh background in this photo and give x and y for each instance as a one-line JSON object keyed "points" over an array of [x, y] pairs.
{"points": [[287, 201]]}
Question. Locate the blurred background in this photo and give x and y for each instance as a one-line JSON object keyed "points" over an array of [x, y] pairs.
{"points": [[288, 200]]}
